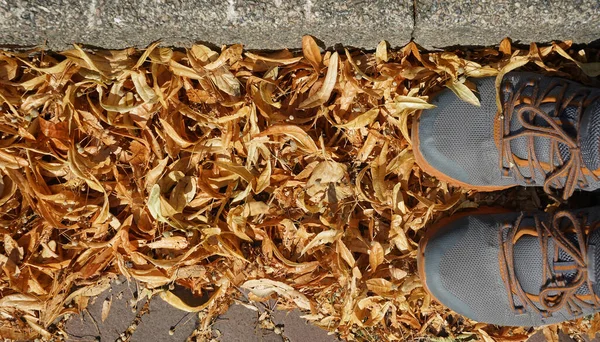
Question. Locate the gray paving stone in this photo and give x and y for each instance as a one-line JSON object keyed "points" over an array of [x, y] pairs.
{"points": [[240, 324], [155, 325], [89, 326], [258, 24], [297, 329], [441, 23]]}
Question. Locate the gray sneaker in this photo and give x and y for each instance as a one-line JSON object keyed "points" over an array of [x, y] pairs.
{"points": [[548, 134], [514, 269]]}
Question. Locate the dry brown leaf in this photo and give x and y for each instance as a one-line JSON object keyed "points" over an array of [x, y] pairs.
{"points": [[311, 52], [324, 93], [376, 255], [106, 304], [551, 333], [294, 132], [324, 237], [381, 51], [380, 286], [362, 120], [463, 92], [485, 336], [590, 69], [172, 242]]}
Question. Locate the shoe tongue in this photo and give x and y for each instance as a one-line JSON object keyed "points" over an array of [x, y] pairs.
{"points": [[528, 263], [542, 145], [589, 135]]}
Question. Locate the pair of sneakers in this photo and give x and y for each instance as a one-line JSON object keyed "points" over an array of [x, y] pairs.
{"points": [[510, 268]]}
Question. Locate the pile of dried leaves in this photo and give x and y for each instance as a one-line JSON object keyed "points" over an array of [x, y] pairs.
{"points": [[288, 174]]}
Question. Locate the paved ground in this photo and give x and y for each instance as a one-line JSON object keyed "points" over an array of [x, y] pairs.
{"points": [[276, 24], [142, 321]]}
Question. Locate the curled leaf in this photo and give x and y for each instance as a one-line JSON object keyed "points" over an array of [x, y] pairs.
{"points": [[323, 94]]}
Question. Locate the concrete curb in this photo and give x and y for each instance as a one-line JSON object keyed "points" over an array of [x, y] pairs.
{"points": [[258, 24], [277, 24], [486, 22]]}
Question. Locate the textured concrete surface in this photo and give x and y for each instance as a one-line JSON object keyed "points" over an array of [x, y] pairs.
{"points": [[158, 321], [88, 327], [240, 324], [276, 24], [441, 23], [258, 24]]}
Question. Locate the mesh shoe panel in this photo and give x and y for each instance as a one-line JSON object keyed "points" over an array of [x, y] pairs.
{"points": [[463, 260], [457, 139]]}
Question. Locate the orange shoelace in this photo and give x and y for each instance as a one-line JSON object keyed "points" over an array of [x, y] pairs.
{"points": [[558, 291], [556, 169]]}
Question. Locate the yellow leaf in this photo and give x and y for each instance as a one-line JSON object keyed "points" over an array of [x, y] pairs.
{"points": [[8, 69], [203, 53], [106, 308], [326, 236], [376, 256], [484, 335], [161, 55], [238, 170], [182, 70], [294, 132], [21, 302], [255, 208], [380, 286], [146, 54], [264, 180], [506, 46], [323, 94], [403, 102], [226, 81], [311, 52], [171, 242], [142, 87], [378, 173], [154, 174], [176, 302], [362, 120], [154, 203], [381, 52], [265, 287], [172, 133], [356, 68], [12, 161], [327, 172], [551, 333], [345, 253], [183, 193], [284, 61], [463, 92], [515, 62]]}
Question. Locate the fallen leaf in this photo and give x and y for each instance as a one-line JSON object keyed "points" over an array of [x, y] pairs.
{"points": [[266, 287], [362, 120], [324, 93], [311, 52], [106, 308], [463, 92], [326, 236], [376, 255]]}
